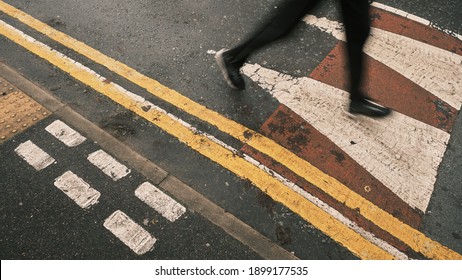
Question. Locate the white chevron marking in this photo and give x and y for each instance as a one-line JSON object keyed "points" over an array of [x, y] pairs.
{"points": [[401, 152], [434, 69]]}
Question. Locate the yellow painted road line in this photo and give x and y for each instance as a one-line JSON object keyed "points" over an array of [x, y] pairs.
{"points": [[415, 239], [275, 189]]}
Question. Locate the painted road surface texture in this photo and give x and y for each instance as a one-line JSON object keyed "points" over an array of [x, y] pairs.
{"points": [[363, 184]]}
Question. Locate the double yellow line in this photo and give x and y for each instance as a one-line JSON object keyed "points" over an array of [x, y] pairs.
{"points": [[275, 189]]}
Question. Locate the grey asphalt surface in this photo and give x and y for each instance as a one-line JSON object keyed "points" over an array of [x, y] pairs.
{"points": [[169, 40], [39, 223]]}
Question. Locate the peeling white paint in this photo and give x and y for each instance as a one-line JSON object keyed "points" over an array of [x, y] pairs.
{"points": [[158, 200], [34, 155], [108, 165], [402, 153], [436, 70], [130, 233], [65, 134], [77, 189]]}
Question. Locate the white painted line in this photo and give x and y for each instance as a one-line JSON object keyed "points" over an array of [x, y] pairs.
{"points": [[108, 165], [77, 189], [130, 233], [65, 134], [415, 18], [401, 13], [162, 203], [402, 153], [434, 69], [33, 155]]}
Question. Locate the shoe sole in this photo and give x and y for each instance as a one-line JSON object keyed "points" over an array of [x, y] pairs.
{"points": [[224, 70], [354, 113]]}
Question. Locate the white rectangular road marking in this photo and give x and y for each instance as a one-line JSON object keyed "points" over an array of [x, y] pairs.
{"points": [[108, 165], [65, 134], [129, 232], [33, 155], [77, 189], [161, 202]]}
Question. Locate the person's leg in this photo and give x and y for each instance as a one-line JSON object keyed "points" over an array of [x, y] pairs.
{"points": [[357, 27], [280, 24], [287, 16]]}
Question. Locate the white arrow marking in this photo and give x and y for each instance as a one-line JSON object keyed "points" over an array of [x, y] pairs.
{"points": [[401, 152]]}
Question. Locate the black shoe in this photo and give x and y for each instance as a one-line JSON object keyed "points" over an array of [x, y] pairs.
{"points": [[230, 71], [368, 108]]}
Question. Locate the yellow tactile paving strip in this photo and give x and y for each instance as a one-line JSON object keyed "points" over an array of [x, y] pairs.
{"points": [[17, 111]]}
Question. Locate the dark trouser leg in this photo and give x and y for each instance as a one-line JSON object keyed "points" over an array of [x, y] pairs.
{"points": [[287, 16], [357, 24]]}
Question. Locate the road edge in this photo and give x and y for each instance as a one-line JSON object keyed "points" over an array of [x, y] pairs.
{"points": [[184, 193]]}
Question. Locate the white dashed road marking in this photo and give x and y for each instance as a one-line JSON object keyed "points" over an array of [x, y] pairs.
{"points": [[108, 165], [33, 155], [77, 189], [65, 134], [161, 202], [129, 232]]}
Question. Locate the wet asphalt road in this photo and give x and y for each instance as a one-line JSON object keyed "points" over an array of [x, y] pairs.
{"points": [[170, 41]]}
